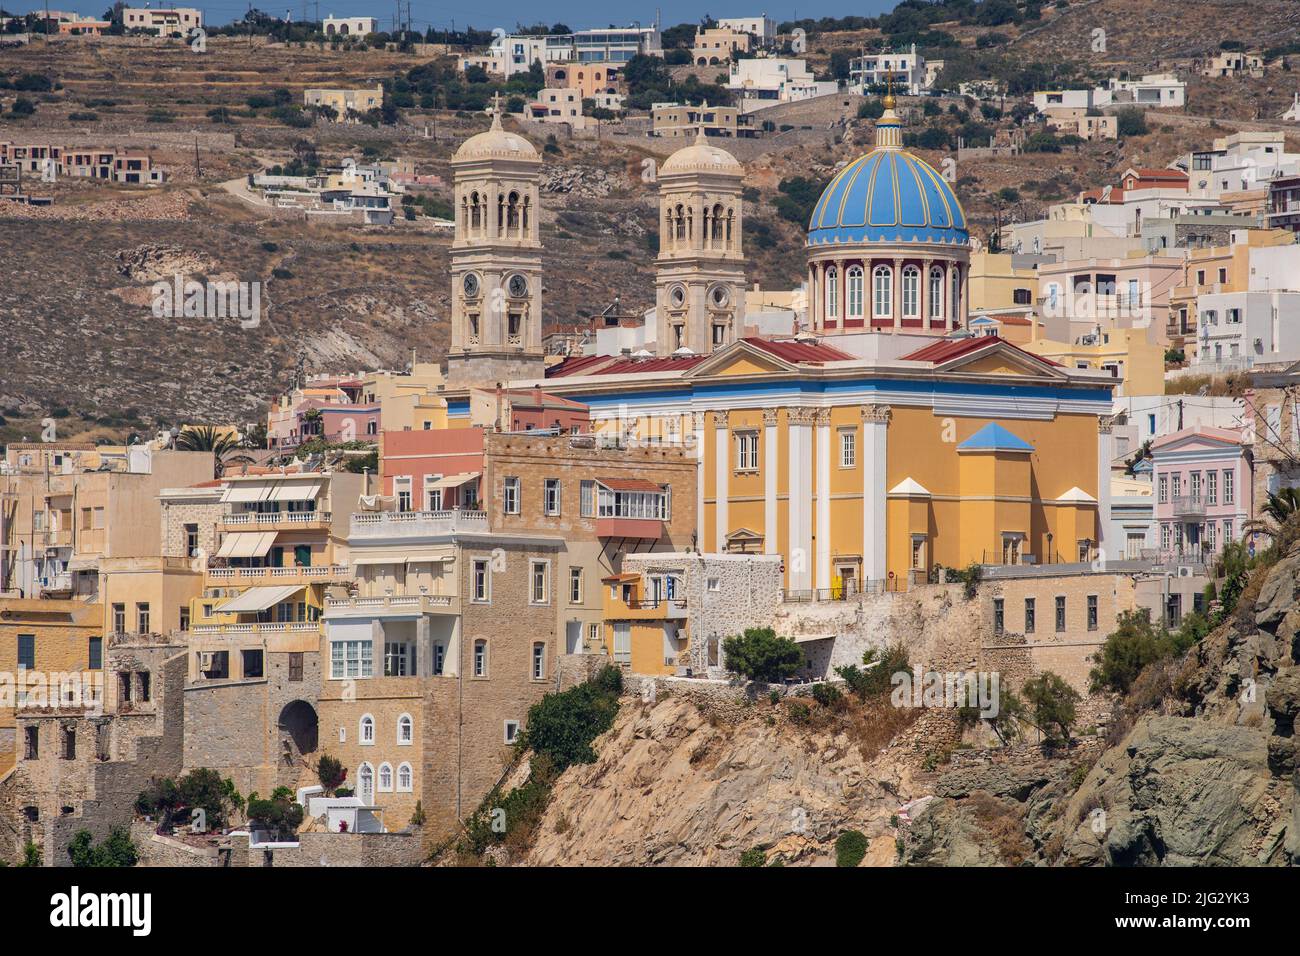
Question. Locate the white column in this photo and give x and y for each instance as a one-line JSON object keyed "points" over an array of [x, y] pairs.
{"points": [[722, 467], [799, 557], [771, 457], [823, 577], [875, 429], [1104, 453], [697, 426]]}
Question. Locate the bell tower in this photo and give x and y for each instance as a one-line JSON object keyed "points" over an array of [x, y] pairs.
{"points": [[700, 269], [496, 265]]}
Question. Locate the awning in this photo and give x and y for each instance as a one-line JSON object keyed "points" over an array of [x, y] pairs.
{"points": [[258, 599], [248, 544], [294, 491], [629, 484], [252, 491], [365, 560], [625, 578], [455, 481]]}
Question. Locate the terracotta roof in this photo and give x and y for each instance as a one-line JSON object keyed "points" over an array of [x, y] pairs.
{"points": [[802, 352], [1234, 436], [629, 484], [1147, 172], [623, 365], [947, 349]]}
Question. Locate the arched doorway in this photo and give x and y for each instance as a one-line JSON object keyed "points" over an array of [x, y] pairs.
{"points": [[299, 730]]}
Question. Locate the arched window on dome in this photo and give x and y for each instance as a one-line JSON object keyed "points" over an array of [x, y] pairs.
{"points": [[717, 227], [731, 223], [501, 213], [936, 293], [853, 288], [679, 232], [882, 291], [527, 211], [690, 224], [832, 293], [955, 279], [475, 211], [911, 292]]}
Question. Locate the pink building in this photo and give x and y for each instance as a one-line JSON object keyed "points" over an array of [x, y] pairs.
{"points": [[1203, 489], [434, 470]]}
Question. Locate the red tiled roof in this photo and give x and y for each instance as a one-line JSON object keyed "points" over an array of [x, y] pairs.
{"points": [[947, 349], [577, 365], [1147, 172], [802, 352], [621, 366]]}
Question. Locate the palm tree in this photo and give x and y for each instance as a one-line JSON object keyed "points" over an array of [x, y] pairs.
{"points": [[209, 438], [1282, 505]]}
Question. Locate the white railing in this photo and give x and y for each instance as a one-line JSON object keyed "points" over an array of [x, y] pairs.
{"points": [[321, 571], [276, 517], [379, 524], [390, 602], [270, 630]]}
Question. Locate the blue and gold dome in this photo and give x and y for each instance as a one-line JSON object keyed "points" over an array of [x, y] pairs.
{"points": [[888, 196]]}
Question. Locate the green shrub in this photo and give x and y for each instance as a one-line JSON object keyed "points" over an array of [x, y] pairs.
{"points": [[760, 655], [754, 856], [850, 848], [117, 851], [828, 695], [875, 677], [562, 726], [1135, 643], [282, 815]]}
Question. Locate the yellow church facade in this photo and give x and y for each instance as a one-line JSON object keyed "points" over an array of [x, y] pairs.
{"points": [[867, 473]]}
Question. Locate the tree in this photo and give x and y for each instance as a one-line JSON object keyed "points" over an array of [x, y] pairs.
{"points": [[331, 773], [282, 815], [116, 851], [1053, 704], [209, 438], [1279, 507], [200, 789], [1134, 644], [1131, 122], [760, 655]]}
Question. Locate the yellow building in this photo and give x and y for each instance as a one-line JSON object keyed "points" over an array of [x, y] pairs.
{"points": [[281, 542], [41, 643], [1213, 270], [1137, 363], [343, 101], [881, 441], [997, 284], [640, 614]]}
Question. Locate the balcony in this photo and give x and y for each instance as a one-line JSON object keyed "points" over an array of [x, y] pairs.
{"points": [[392, 605], [1188, 506], [416, 524], [319, 574], [276, 521], [268, 631], [649, 609]]}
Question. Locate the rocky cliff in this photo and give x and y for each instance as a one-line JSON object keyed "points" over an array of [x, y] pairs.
{"points": [[1202, 769], [1198, 766]]}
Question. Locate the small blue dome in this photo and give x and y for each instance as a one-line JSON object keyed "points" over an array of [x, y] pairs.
{"points": [[888, 195]]}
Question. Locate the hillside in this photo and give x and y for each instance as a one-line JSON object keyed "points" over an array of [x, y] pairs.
{"points": [[81, 339]]}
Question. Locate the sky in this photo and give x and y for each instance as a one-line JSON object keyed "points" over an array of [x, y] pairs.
{"points": [[485, 15]]}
